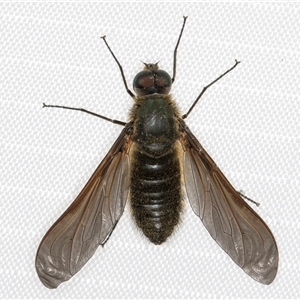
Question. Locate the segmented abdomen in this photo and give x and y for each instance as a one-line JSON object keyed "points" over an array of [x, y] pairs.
{"points": [[156, 199]]}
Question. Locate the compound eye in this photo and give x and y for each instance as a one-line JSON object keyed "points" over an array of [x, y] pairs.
{"points": [[143, 83], [163, 82]]}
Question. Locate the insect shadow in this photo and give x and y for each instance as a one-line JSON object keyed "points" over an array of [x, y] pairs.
{"points": [[156, 162]]}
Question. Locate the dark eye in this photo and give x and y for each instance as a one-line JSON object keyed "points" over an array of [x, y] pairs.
{"points": [[143, 83], [149, 82], [163, 82]]}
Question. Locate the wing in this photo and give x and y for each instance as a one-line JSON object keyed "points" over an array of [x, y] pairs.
{"points": [[231, 222], [90, 219]]}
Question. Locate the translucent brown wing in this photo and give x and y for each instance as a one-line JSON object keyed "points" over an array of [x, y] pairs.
{"points": [[90, 219], [231, 222]]}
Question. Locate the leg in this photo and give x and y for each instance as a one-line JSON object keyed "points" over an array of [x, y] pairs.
{"points": [[205, 88], [87, 111], [249, 199], [175, 51], [121, 69]]}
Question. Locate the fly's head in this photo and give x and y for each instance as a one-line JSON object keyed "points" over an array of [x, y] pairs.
{"points": [[152, 80]]}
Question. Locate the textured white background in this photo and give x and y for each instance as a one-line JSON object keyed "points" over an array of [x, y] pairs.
{"points": [[248, 122]]}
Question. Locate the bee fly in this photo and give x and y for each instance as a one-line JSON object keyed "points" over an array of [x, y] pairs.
{"points": [[156, 161]]}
